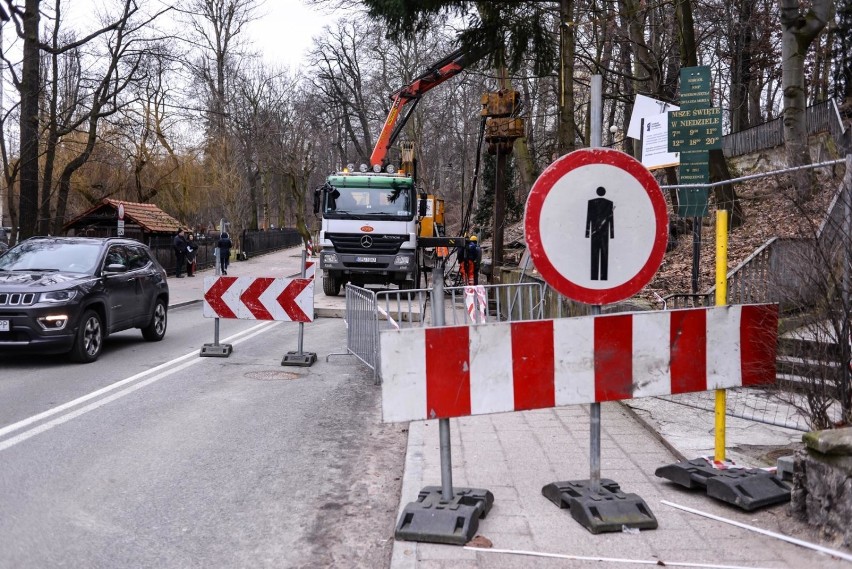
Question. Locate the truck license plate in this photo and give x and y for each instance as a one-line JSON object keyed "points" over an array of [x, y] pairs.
{"points": [[365, 259], [4, 325]]}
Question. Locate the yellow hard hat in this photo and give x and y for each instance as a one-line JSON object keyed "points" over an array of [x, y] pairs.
{"points": [[473, 238]]}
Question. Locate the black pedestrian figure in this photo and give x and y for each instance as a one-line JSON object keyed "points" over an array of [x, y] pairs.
{"points": [[600, 227]]}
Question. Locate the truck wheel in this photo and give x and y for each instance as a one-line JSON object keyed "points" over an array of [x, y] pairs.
{"points": [[330, 285], [412, 284]]}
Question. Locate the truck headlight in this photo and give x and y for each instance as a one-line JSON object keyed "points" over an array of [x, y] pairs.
{"points": [[401, 260], [329, 258]]}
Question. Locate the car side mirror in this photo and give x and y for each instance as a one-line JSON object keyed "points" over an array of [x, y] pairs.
{"points": [[116, 268]]}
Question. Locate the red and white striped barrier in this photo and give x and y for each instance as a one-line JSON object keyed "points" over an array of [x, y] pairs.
{"points": [[259, 298], [457, 371], [476, 301], [310, 269]]}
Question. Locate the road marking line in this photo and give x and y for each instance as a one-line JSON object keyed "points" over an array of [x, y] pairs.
{"points": [[167, 365]]}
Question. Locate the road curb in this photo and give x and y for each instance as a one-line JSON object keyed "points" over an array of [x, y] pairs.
{"points": [[653, 431], [404, 554]]}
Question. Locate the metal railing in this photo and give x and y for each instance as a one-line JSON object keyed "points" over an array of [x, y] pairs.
{"points": [[368, 312]]}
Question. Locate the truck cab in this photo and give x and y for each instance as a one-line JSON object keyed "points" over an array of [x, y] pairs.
{"points": [[369, 230]]}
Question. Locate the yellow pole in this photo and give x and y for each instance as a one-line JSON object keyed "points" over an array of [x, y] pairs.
{"points": [[721, 300]]}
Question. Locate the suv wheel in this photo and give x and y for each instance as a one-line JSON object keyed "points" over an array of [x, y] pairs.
{"points": [[90, 338], [156, 328]]}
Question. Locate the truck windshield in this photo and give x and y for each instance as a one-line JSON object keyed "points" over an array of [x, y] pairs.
{"points": [[357, 202]]}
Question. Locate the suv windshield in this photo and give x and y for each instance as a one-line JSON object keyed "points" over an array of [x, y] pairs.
{"points": [[47, 255], [368, 201]]}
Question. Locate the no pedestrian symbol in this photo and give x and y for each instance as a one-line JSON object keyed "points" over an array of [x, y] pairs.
{"points": [[596, 225]]}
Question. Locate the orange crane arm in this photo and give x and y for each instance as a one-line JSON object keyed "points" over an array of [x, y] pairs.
{"points": [[448, 67]]}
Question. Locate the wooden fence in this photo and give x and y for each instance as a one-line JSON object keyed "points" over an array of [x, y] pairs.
{"points": [[821, 117]]}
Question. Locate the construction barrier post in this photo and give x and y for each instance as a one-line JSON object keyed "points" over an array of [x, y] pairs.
{"points": [[300, 358], [443, 514], [216, 350], [721, 300], [746, 488], [599, 505]]}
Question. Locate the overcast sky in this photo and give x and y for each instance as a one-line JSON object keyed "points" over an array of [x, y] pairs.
{"points": [[282, 33], [285, 33]]}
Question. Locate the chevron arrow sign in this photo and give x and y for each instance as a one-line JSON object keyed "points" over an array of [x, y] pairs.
{"points": [[259, 298]]}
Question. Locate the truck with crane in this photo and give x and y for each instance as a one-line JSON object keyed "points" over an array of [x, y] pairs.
{"points": [[377, 227], [373, 218]]}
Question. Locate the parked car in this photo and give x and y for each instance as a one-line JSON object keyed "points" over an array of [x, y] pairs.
{"points": [[67, 294]]}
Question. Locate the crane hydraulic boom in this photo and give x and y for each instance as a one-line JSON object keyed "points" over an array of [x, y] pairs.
{"points": [[449, 67]]}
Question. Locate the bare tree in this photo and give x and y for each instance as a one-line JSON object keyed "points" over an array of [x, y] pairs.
{"points": [[217, 25], [799, 28]]}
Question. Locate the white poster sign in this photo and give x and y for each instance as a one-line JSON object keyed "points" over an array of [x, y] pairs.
{"points": [[645, 107], [655, 143]]}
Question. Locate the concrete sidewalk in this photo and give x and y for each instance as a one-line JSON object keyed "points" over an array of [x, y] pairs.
{"points": [[514, 455]]}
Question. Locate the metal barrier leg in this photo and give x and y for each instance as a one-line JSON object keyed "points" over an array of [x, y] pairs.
{"points": [[216, 350], [443, 514], [599, 505]]}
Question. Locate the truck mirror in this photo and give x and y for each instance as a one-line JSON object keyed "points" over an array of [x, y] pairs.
{"points": [[421, 209], [316, 201]]}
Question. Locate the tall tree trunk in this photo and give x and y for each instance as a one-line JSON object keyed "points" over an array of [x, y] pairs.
{"points": [[29, 90], [567, 134], [798, 31]]}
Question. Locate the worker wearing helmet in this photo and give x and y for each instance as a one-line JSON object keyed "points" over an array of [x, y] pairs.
{"points": [[470, 261], [474, 255]]}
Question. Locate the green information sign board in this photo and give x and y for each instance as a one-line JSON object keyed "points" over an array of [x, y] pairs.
{"points": [[694, 169], [694, 88], [694, 130]]}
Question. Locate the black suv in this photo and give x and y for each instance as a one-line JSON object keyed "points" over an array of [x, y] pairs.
{"points": [[66, 294]]}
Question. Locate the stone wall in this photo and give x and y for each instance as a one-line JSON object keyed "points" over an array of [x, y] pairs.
{"points": [[822, 483]]}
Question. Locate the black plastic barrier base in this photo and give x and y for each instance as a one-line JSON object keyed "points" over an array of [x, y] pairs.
{"points": [[746, 488], [433, 520], [216, 350], [607, 511], [303, 359]]}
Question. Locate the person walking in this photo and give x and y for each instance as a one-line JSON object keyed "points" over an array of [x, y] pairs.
{"points": [[191, 250], [224, 246], [179, 244]]}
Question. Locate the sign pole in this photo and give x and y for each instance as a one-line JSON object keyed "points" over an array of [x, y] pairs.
{"points": [[300, 358], [599, 505], [596, 116], [696, 251]]}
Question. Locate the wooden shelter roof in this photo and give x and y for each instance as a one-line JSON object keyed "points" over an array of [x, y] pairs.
{"points": [[148, 216]]}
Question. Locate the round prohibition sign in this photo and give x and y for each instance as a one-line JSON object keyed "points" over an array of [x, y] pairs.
{"points": [[596, 225]]}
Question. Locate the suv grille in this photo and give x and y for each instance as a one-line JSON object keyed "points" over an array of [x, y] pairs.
{"points": [[16, 298], [381, 244]]}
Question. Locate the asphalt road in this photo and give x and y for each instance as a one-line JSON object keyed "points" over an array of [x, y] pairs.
{"points": [[154, 457]]}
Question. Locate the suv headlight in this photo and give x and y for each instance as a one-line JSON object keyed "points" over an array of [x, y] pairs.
{"points": [[57, 296]]}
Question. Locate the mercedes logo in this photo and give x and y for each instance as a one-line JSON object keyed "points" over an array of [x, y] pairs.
{"points": [[366, 241]]}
